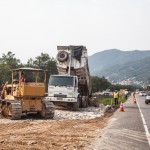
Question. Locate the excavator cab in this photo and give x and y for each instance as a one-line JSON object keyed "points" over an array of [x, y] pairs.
{"points": [[25, 94]]}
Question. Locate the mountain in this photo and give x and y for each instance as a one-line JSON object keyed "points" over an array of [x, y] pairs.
{"points": [[115, 63]]}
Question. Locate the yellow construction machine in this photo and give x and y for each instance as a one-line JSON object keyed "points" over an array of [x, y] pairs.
{"points": [[26, 96]]}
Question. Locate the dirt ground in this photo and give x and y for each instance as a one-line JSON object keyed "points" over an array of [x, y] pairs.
{"points": [[38, 134]]}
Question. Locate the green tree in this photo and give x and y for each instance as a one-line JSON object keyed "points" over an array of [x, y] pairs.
{"points": [[45, 62], [128, 87], [99, 84], [7, 62]]}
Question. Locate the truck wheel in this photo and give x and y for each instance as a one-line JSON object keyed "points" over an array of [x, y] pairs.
{"points": [[76, 105], [146, 102], [84, 101], [80, 101], [62, 56]]}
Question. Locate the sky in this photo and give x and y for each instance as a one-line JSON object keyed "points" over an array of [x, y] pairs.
{"points": [[30, 27]]}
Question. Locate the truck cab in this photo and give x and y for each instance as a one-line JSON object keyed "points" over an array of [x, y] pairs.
{"points": [[63, 88]]}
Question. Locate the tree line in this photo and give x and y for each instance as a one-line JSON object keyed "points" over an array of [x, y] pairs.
{"points": [[9, 61], [101, 83], [44, 61]]}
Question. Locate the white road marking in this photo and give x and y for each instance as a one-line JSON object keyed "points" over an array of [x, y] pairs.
{"points": [[144, 124]]}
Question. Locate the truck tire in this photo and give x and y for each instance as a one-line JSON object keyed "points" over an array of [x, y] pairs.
{"points": [[84, 101], [62, 56], [80, 101], [76, 105]]}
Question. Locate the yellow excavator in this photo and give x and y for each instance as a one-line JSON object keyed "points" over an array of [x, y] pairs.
{"points": [[26, 95]]}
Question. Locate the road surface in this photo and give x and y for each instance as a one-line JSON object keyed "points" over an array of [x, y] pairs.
{"points": [[128, 130]]}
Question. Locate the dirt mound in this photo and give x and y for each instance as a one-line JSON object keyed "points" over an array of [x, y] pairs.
{"points": [[37, 134]]}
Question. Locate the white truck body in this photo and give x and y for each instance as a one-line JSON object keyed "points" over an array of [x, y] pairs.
{"points": [[73, 85]]}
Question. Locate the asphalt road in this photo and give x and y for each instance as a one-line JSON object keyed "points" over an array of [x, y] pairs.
{"points": [[126, 130], [145, 109]]}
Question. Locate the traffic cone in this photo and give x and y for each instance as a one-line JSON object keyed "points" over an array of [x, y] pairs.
{"points": [[134, 100], [121, 107]]}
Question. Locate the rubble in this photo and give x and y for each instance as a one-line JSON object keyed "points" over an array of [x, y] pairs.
{"points": [[83, 113]]}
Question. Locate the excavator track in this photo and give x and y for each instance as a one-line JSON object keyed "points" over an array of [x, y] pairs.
{"points": [[11, 110], [48, 109]]}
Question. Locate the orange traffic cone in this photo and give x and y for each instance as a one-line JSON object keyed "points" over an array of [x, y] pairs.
{"points": [[134, 100], [121, 107]]}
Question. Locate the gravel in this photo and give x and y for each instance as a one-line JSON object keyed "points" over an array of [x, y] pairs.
{"points": [[64, 114], [83, 113]]}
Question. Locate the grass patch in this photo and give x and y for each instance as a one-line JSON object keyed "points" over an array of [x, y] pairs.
{"points": [[107, 100]]}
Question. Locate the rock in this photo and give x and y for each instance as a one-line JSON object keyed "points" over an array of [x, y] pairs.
{"points": [[2, 141], [32, 142], [83, 113]]}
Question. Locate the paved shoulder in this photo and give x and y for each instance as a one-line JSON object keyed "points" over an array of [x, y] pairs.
{"points": [[125, 131]]}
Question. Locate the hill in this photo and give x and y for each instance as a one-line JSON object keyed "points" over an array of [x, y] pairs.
{"points": [[118, 65]]}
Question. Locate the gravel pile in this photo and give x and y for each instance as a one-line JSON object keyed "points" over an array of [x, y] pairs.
{"points": [[65, 114], [83, 113]]}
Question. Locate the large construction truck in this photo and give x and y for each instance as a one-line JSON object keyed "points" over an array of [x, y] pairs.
{"points": [[25, 95], [72, 86]]}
